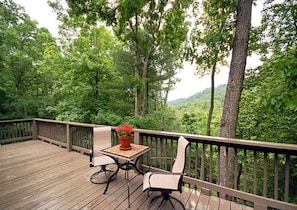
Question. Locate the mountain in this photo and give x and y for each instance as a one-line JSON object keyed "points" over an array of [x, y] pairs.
{"points": [[204, 94]]}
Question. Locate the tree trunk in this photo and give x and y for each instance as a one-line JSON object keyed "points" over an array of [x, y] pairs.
{"points": [[234, 89], [144, 83], [136, 67], [136, 74], [211, 107]]}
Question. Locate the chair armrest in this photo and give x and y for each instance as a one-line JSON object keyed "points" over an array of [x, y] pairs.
{"points": [[169, 173], [178, 181]]}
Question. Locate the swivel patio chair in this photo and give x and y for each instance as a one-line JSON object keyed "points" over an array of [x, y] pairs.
{"points": [[102, 140], [166, 183]]}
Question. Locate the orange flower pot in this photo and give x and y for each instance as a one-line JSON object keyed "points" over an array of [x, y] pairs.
{"points": [[125, 142]]}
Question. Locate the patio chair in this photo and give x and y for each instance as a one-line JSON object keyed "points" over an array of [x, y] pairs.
{"points": [[102, 140], [166, 183]]}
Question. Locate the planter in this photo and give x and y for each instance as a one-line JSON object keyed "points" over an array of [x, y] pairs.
{"points": [[125, 142]]}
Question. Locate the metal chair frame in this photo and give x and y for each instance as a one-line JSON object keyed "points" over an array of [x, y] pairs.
{"points": [[177, 172], [102, 140]]}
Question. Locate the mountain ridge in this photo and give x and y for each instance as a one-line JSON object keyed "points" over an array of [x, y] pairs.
{"points": [[204, 94]]}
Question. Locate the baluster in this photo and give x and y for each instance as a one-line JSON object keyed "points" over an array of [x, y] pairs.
{"points": [[276, 176], [218, 166], [255, 173], [172, 149], [244, 170], [235, 169], [202, 175], [210, 163], [286, 198], [196, 160], [265, 175]]}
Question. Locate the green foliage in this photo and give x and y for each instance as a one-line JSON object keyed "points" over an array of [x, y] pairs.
{"points": [[189, 123], [212, 37], [211, 41], [280, 70], [192, 112], [91, 76], [158, 120], [85, 75], [271, 89], [107, 118], [268, 106], [152, 31], [22, 50], [279, 23], [266, 111]]}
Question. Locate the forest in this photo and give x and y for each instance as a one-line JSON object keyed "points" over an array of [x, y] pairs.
{"points": [[109, 66], [115, 61]]}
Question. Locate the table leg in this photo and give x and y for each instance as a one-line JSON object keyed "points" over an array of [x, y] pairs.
{"points": [[136, 168], [128, 183], [111, 177]]}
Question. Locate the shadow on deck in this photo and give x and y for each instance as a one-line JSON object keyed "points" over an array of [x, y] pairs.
{"points": [[37, 175]]}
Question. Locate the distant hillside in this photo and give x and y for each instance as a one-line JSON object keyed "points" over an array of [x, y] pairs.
{"points": [[205, 94]]}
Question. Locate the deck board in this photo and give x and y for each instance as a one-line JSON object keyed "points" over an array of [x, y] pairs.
{"points": [[192, 199], [203, 202], [38, 175], [214, 203]]}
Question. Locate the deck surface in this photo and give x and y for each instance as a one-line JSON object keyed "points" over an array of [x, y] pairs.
{"points": [[38, 175]]}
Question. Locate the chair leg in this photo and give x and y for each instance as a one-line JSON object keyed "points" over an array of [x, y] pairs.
{"points": [[183, 207], [153, 200], [166, 197], [96, 174]]}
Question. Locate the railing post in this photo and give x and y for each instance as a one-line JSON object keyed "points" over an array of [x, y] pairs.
{"points": [[34, 129], [137, 141], [137, 138], [69, 138]]}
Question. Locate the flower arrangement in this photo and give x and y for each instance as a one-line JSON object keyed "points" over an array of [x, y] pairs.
{"points": [[124, 130]]}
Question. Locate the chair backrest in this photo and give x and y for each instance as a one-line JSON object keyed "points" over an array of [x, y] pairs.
{"points": [[180, 161], [102, 139]]}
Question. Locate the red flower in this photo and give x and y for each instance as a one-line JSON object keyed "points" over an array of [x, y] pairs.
{"points": [[124, 130]]}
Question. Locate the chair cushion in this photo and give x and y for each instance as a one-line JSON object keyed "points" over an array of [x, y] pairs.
{"points": [[102, 160], [157, 181]]}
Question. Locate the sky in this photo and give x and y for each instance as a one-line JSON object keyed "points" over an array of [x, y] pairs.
{"points": [[190, 83]]}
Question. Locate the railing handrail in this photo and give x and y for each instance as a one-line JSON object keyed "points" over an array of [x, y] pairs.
{"points": [[230, 142], [16, 120], [220, 141], [67, 123]]}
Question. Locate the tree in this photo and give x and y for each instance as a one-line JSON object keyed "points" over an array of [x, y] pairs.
{"points": [[271, 94], [148, 29], [268, 107], [86, 75], [271, 88], [22, 50], [234, 88], [279, 23], [189, 122], [211, 42]]}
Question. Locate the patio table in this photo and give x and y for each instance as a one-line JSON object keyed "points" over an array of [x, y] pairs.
{"points": [[130, 158]]}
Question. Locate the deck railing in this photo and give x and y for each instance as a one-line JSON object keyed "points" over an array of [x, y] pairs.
{"points": [[264, 173], [15, 130]]}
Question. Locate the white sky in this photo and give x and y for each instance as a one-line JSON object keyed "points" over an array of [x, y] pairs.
{"points": [[189, 84], [40, 11]]}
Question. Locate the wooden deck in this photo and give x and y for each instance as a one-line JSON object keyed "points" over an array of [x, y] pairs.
{"points": [[37, 175]]}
